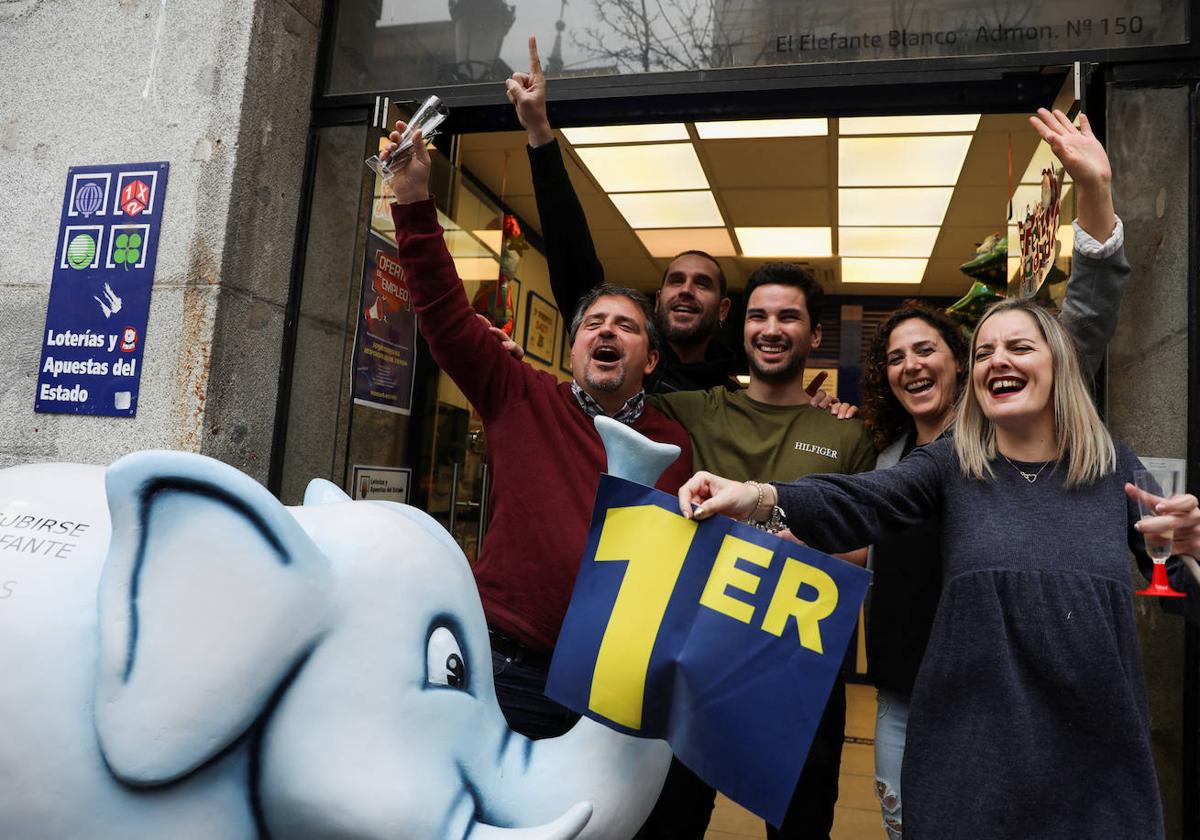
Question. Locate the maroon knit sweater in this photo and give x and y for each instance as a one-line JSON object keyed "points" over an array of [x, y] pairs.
{"points": [[545, 454]]}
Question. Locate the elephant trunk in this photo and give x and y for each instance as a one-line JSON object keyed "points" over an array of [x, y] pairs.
{"points": [[619, 775]]}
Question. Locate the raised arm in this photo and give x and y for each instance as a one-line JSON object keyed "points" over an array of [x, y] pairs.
{"points": [[460, 343], [570, 254], [834, 513], [1099, 271]]}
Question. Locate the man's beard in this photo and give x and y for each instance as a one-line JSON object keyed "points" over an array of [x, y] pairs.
{"points": [[615, 383], [787, 373], [702, 330]]}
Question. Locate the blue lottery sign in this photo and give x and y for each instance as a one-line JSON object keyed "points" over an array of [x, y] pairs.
{"points": [[100, 291], [720, 638]]}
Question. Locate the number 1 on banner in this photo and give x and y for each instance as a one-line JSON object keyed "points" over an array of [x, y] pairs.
{"points": [[653, 542]]}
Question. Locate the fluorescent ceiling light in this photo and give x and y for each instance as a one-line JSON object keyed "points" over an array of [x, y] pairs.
{"points": [[742, 129], [886, 241], [785, 241], [668, 166], [901, 161], [601, 134], [920, 124], [669, 209], [461, 243], [901, 206], [860, 270], [477, 268], [668, 243], [494, 239]]}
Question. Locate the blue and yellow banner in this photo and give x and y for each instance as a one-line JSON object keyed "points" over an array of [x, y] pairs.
{"points": [[714, 635]]}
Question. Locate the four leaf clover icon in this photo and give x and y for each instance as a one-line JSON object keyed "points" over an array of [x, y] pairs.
{"points": [[127, 249]]}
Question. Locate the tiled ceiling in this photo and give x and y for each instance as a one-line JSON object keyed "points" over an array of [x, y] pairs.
{"points": [[793, 182]]}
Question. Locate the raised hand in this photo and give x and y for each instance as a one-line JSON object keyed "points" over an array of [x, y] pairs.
{"points": [[527, 93], [509, 346], [411, 181], [1080, 153], [1085, 160]]}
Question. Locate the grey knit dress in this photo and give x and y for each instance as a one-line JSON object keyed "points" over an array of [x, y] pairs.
{"points": [[1029, 715]]}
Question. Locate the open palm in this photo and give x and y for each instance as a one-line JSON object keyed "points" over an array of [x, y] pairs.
{"points": [[1080, 153]]}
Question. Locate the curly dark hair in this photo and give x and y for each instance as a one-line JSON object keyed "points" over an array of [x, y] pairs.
{"points": [[884, 416]]}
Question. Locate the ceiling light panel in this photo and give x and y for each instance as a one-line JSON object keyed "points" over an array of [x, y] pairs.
{"points": [[920, 124], [790, 242], [477, 268], [462, 243], [863, 270], [667, 166], [669, 209], [668, 243], [745, 129], [494, 239], [901, 161], [886, 241], [605, 134], [898, 206]]}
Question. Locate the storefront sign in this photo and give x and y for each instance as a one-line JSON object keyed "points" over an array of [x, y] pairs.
{"points": [[716, 636], [879, 29], [100, 290], [385, 347], [386, 484], [429, 46]]}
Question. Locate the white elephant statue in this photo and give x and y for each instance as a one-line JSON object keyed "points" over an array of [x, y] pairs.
{"points": [[182, 656]]}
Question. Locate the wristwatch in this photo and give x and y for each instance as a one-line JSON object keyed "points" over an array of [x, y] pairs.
{"points": [[776, 522]]}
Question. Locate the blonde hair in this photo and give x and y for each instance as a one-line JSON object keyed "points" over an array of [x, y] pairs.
{"points": [[1078, 429]]}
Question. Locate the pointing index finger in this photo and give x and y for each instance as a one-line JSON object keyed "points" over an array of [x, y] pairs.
{"points": [[535, 63]]}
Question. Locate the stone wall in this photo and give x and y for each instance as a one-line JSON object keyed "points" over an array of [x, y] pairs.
{"points": [[220, 90], [1148, 361]]}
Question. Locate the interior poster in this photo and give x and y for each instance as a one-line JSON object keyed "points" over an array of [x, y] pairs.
{"points": [[100, 290], [385, 349]]}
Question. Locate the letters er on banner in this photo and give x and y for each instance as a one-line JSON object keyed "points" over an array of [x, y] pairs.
{"points": [[714, 635]]}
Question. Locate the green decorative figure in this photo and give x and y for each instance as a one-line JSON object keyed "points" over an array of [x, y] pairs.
{"points": [[128, 249]]}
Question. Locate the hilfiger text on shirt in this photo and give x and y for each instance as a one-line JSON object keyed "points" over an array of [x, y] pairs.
{"points": [[816, 450]]}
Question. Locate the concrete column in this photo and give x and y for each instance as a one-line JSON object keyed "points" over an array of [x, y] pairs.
{"points": [[222, 91], [1148, 362]]}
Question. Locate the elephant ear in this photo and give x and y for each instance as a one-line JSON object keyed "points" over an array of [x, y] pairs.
{"points": [[210, 599], [322, 492]]}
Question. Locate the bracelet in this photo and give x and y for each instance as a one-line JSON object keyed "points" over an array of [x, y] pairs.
{"points": [[757, 505]]}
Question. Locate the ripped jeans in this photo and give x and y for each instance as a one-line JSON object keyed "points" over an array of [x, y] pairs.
{"points": [[891, 724]]}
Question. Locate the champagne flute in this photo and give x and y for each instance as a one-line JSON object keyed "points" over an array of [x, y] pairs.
{"points": [[1154, 486], [427, 118]]}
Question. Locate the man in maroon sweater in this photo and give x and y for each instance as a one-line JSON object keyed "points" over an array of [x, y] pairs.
{"points": [[545, 453]]}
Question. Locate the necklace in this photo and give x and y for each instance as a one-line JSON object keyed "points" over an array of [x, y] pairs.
{"points": [[1028, 476]]}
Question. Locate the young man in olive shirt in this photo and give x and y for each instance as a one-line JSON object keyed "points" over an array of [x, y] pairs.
{"points": [[769, 432]]}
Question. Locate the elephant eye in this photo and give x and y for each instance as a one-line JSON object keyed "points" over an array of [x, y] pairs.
{"points": [[444, 663]]}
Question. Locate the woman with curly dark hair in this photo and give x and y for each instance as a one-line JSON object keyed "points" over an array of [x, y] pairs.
{"points": [[913, 377], [911, 383]]}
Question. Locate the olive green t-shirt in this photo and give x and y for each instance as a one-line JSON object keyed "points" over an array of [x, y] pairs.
{"points": [[743, 439]]}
